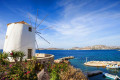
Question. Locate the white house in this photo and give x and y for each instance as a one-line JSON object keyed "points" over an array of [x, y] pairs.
{"points": [[20, 36]]}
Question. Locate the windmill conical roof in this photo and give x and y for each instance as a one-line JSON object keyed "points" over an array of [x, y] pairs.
{"points": [[20, 22]]}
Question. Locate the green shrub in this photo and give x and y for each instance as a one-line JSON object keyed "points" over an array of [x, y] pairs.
{"points": [[21, 71], [54, 75], [4, 58], [18, 70], [55, 70]]}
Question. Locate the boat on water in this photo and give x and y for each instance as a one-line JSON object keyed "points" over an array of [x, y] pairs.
{"points": [[113, 66], [115, 77]]}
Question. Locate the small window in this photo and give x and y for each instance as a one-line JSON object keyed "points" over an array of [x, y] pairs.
{"points": [[29, 53], [30, 29], [43, 62]]}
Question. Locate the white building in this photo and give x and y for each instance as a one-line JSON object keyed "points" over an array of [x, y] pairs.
{"points": [[20, 36]]}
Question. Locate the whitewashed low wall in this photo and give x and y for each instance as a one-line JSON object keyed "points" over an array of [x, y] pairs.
{"points": [[40, 74], [46, 59], [40, 55]]}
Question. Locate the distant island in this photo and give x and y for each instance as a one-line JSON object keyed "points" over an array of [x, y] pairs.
{"points": [[50, 49], [95, 47]]}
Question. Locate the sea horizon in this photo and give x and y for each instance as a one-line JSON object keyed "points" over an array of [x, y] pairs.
{"points": [[92, 55], [59, 39]]}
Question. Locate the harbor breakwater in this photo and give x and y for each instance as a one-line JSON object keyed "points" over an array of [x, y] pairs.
{"points": [[62, 59], [101, 63]]}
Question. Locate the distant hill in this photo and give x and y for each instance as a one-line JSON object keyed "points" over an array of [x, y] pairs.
{"points": [[50, 49], [96, 47]]}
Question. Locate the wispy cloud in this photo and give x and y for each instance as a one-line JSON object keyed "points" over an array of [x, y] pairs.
{"points": [[79, 23], [73, 27], [2, 35], [3, 28]]}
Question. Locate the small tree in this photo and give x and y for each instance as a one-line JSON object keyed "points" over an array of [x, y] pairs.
{"points": [[21, 55], [17, 55], [3, 57]]}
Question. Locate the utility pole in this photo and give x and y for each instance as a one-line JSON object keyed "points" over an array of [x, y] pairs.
{"points": [[86, 59]]}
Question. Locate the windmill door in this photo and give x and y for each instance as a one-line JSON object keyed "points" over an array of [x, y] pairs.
{"points": [[29, 53]]}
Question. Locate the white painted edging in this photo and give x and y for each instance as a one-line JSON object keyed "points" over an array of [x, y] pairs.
{"points": [[40, 74]]}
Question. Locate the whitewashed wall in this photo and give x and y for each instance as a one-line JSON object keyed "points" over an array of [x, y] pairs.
{"points": [[18, 37]]}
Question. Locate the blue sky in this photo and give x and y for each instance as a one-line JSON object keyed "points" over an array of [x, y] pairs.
{"points": [[74, 22]]}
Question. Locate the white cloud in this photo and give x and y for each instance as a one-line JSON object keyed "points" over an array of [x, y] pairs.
{"points": [[77, 29], [74, 27], [79, 26]]}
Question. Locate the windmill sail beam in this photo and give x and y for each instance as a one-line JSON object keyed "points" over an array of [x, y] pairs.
{"points": [[46, 28], [38, 32], [41, 21], [43, 38], [36, 18], [36, 44], [30, 19]]}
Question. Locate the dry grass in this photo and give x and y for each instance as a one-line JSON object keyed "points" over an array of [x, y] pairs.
{"points": [[72, 74]]}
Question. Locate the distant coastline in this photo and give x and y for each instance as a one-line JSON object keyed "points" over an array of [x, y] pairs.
{"points": [[95, 47]]}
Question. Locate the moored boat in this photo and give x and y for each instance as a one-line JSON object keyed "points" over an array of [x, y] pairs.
{"points": [[113, 66], [115, 77]]}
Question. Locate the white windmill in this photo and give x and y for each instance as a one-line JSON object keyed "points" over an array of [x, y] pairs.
{"points": [[20, 36]]}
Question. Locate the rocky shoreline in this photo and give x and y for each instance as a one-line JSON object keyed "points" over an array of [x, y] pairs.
{"points": [[72, 72]]}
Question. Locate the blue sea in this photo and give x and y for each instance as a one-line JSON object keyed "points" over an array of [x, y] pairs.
{"points": [[80, 59], [92, 55]]}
